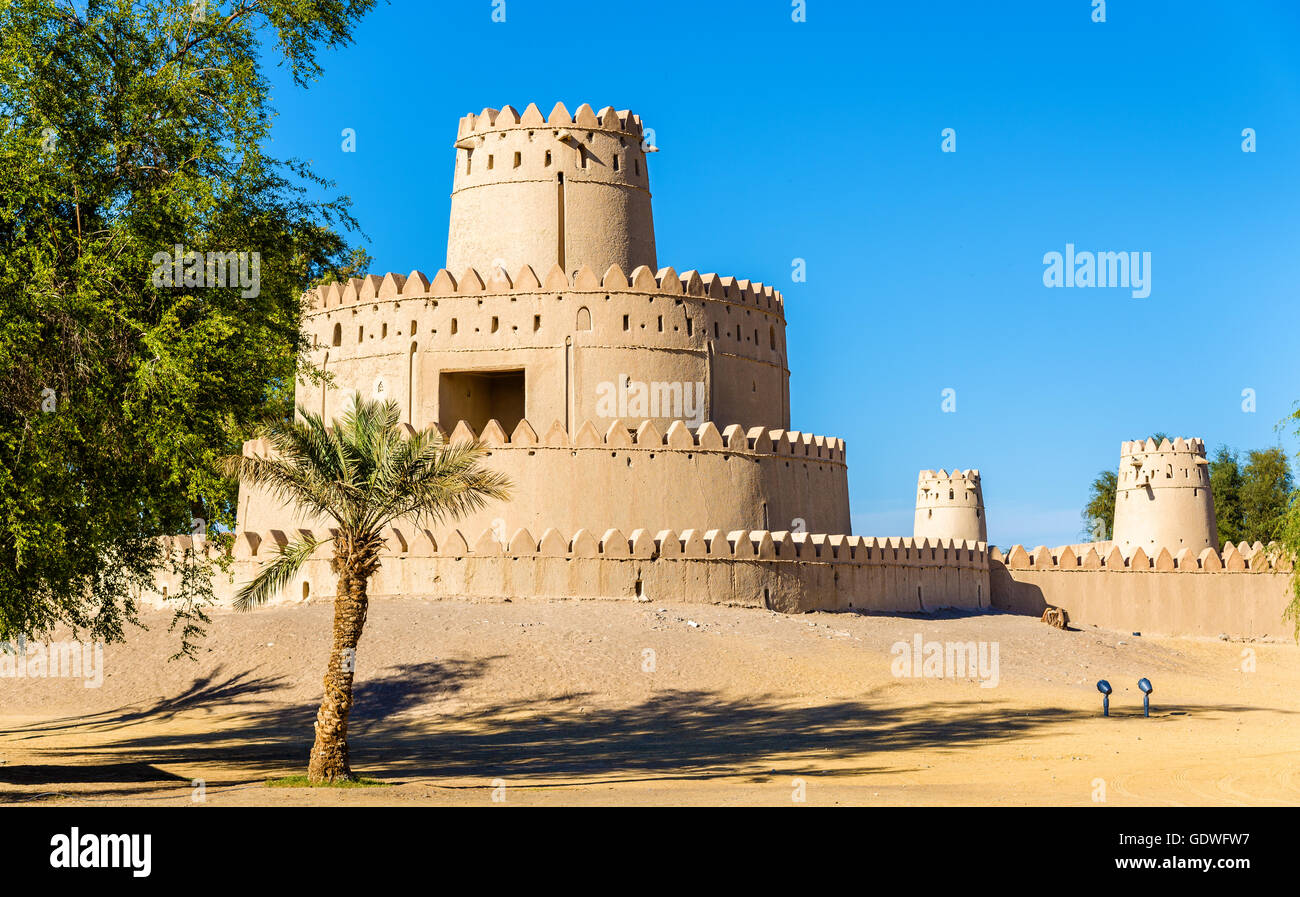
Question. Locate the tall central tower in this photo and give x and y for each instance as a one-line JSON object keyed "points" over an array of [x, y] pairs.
{"points": [[563, 190]]}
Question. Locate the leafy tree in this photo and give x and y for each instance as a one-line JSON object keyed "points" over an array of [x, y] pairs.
{"points": [[1225, 485], [1289, 537], [132, 133], [1265, 493], [364, 473], [1099, 513]]}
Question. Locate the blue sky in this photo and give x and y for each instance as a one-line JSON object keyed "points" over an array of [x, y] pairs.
{"points": [[821, 140]]}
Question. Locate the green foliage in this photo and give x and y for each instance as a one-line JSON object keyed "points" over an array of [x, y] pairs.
{"points": [[1225, 484], [128, 129], [1099, 512], [1265, 493], [363, 473]]}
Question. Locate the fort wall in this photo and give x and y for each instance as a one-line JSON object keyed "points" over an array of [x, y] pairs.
{"points": [[716, 340], [781, 571], [1241, 592], [731, 479]]}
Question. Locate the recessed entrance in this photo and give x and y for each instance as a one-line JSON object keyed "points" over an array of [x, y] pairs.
{"points": [[477, 397]]}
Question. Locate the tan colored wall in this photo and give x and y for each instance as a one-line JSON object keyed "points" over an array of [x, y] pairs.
{"points": [[654, 328], [579, 195], [950, 506], [787, 572], [1163, 497], [647, 479], [1241, 593]]}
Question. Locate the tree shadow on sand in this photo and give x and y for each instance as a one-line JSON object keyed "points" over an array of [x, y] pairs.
{"points": [[408, 725]]}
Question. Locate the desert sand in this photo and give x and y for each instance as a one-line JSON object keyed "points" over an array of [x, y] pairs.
{"points": [[616, 702]]}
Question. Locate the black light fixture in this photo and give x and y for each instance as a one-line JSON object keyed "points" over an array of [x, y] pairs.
{"points": [[1104, 687], [1145, 685]]}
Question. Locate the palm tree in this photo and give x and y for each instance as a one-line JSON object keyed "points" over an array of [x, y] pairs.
{"points": [[364, 473]]}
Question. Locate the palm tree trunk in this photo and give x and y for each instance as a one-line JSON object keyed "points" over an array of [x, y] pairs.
{"points": [[329, 755]]}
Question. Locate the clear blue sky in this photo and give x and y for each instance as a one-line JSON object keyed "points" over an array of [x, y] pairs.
{"points": [[821, 140]]}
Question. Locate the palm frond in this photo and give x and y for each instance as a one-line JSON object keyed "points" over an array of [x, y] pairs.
{"points": [[276, 574]]}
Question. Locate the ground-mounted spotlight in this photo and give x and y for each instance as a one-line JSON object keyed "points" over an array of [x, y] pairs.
{"points": [[1104, 687], [1145, 685]]}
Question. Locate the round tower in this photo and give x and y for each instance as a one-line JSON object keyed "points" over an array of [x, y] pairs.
{"points": [[950, 506], [1164, 499], [571, 190]]}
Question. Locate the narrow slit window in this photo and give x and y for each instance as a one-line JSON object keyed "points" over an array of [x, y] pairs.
{"points": [[518, 159]]}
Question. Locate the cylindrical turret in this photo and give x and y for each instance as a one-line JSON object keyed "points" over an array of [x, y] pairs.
{"points": [[567, 190], [950, 506], [1164, 499]]}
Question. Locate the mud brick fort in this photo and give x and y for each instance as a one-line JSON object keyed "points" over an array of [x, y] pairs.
{"points": [[643, 414]]}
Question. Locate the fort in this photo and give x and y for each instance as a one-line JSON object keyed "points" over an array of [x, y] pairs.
{"points": [[552, 309]]}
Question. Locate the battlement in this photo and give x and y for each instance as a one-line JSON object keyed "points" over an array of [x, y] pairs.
{"points": [[396, 287], [607, 119], [1257, 558], [647, 436], [931, 485], [1139, 447], [740, 545]]}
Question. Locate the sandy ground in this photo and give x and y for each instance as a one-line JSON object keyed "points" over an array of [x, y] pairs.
{"points": [[542, 703]]}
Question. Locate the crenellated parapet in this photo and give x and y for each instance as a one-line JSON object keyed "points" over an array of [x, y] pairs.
{"points": [[622, 122], [733, 545], [393, 287], [647, 436], [1257, 558]]}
